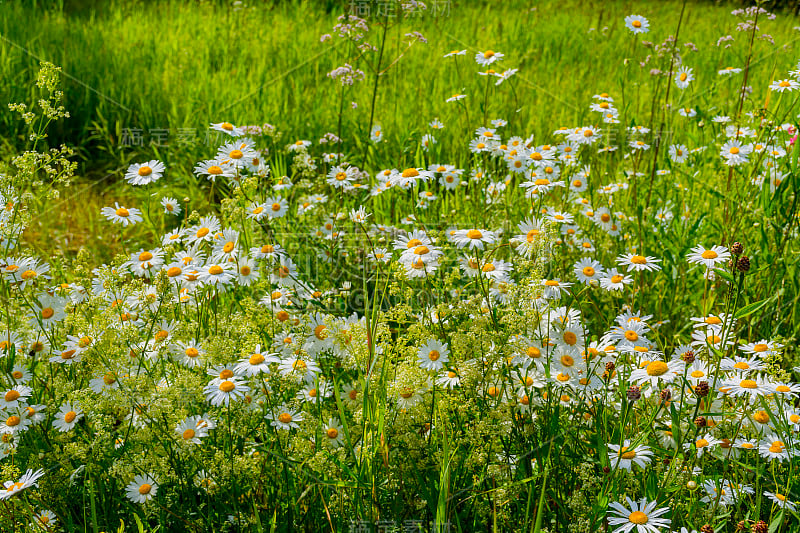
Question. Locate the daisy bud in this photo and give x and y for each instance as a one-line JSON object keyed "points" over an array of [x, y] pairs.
{"points": [[760, 527], [701, 390], [666, 395], [700, 421], [691, 485], [634, 393], [737, 248], [688, 357], [743, 264]]}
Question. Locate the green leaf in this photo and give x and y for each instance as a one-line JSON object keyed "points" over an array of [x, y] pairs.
{"points": [[749, 309], [724, 274]]}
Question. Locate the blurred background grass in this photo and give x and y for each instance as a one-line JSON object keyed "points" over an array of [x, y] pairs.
{"points": [[176, 66]]}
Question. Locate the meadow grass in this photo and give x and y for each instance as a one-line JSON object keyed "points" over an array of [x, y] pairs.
{"points": [[511, 329]]}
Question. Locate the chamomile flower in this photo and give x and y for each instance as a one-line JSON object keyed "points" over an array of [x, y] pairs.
{"points": [[626, 456], [638, 263], [191, 429], [762, 348], [28, 479], [473, 238], [587, 270], [735, 153], [144, 173], [657, 371], [142, 489], [488, 57], [751, 388], [225, 390], [285, 418], [784, 85], [433, 355], [637, 24], [213, 169], [67, 417], [710, 257], [171, 206], [333, 433], [122, 215], [641, 516], [614, 281], [703, 444], [256, 363], [227, 127], [773, 447], [684, 77], [781, 500]]}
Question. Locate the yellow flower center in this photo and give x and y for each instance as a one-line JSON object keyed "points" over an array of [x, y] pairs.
{"points": [[638, 517], [256, 359], [638, 24], [761, 417], [215, 270], [639, 260], [11, 395], [626, 454], [236, 154], [474, 234], [488, 54], [284, 418], [227, 386], [760, 348], [332, 433], [433, 355], [709, 254], [145, 489], [657, 368], [70, 416], [734, 150], [748, 384], [174, 272], [145, 171], [189, 434], [202, 232], [122, 212]]}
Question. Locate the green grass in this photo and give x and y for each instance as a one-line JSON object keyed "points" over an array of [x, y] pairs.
{"points": [[173, 65]]}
